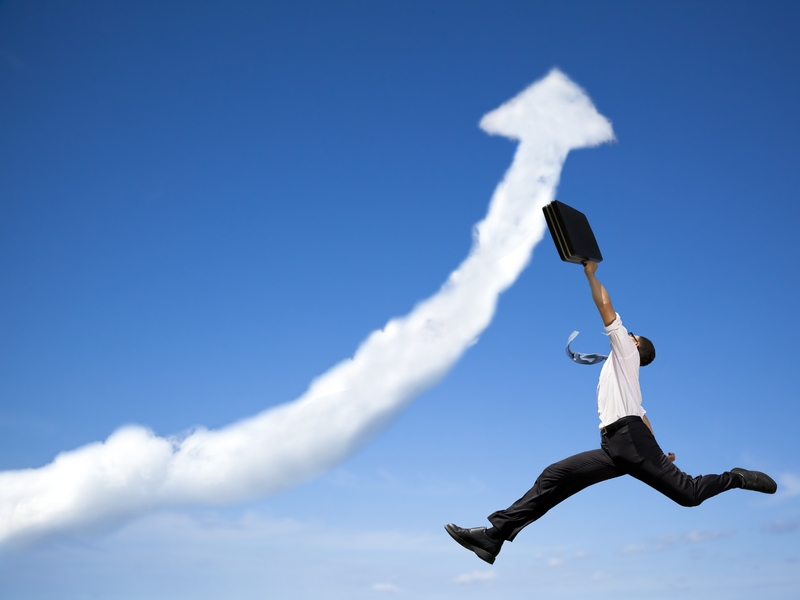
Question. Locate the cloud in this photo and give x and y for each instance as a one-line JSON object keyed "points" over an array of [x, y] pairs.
{"points": [[475, 577], [134, 471], [780, 526], [790, 485], [386, 588], [693, 537], [663, 542], [635, 548], [191, 549], [707, 536]]}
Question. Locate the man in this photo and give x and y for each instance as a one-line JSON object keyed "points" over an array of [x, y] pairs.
{"points": [[627, 447]]}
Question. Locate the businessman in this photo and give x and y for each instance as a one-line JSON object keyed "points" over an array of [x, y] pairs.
{"points": [[627, 447]]}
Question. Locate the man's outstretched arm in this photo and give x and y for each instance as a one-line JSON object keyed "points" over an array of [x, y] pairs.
{"points": [[599, 294], [607, 312]]}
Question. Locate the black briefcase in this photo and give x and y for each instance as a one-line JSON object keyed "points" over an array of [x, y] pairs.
{"points": [[571, 233]]}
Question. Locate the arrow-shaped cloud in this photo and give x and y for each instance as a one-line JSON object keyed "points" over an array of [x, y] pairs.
{"points": [[134, 471]]}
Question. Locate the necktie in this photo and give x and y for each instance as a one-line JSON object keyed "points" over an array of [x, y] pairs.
{"points": [[580, 357]]}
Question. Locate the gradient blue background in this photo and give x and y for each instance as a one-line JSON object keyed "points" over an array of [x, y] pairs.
{"points": [[204, 205]]}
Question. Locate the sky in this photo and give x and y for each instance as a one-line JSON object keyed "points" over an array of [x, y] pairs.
{"points": [[205, 206]]}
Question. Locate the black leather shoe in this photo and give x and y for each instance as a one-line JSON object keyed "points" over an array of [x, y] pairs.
{"points": [[756, 481], [475, 539]]}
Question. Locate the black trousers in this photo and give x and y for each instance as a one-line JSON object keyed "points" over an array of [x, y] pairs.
{"points": [[630, 450]]}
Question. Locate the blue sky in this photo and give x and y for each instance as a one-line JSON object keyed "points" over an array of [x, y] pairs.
{"points": [[204, 206]]}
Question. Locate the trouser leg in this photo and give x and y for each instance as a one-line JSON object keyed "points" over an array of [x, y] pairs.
{"points": [[635, 451], [557, 482]]}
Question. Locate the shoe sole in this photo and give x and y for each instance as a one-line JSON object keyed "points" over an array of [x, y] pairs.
{"points": [[482, 554]]}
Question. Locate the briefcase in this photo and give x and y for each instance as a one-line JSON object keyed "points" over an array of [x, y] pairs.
{"points": [[571, 233]]}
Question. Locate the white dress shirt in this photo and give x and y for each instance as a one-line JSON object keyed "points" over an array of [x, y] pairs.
{"points": [[618, 392]]}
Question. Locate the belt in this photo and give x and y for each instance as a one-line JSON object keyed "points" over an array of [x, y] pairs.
{"points": [[609, 429]]}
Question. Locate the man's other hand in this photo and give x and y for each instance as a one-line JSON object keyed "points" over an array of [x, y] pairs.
{"points": [[589, 267], [671, 457]]}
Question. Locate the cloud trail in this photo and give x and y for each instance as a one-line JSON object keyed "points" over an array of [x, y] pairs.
{"points": [[135, 471]]}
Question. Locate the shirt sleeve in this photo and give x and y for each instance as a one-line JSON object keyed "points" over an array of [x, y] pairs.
{"points": [[621, 342]]}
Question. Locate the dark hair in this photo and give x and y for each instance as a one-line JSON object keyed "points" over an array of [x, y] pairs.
{"points": [[647, 352]]}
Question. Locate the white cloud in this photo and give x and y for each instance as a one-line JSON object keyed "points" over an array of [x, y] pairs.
{"points": [[789, 485], [194, 550], [475, 577], [634, 548], [707, 536], [554, 562], [386, 588], [135, 471], [663, 542]]}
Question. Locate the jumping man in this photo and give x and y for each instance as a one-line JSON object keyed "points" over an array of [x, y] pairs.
{"points": [[627, 447]]}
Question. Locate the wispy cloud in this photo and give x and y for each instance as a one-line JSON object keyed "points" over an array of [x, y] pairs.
{"points": [[780, 526], [209, 528], [135, 471], [789, 485], [635, 548], [388, 588], [663, 542], [475, 577], [695, 537]]}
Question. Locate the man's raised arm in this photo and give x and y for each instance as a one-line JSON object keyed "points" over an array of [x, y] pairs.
{"points": [[599, 294]]}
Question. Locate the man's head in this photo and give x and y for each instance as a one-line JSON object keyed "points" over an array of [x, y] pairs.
{"points": [[647, 352]]}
